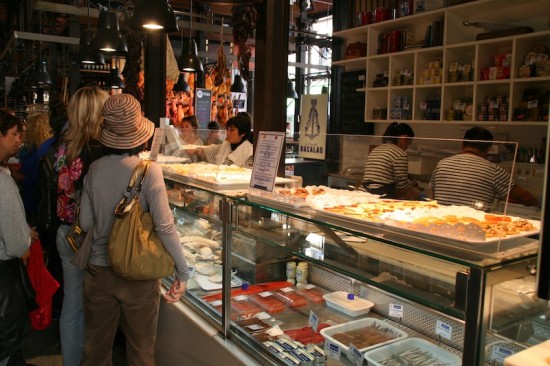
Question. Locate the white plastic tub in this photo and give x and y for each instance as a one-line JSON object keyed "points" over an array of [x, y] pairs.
{"points": [[339, 301], [329, 332], [434, 354]]}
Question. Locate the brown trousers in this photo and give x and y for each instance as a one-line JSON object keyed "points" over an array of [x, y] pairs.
{"points": [[111, 302]]}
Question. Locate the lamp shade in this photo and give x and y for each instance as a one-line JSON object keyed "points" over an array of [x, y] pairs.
{"points": [[290, 92], [42, 76], [154, 16], [238, 85], [181, 85], [122, 47], [115, 82], [107, 36], [86, 54], [189, 60]]}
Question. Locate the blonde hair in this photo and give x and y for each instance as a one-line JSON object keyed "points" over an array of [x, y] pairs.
{"points": [[38, 129], [85, 119]]}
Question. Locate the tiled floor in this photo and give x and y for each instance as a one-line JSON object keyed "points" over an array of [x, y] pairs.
{"points": [[42, 348]]}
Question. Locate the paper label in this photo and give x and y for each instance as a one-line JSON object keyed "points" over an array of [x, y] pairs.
{"points": [[262, 315], [309, 286], [265, 294], [500, 353], [241, 298], [396, 310], [444, 330], [313, 320], [191, 270], [423, 105], [254, 327], [158, 139], [216, 303], [266, 160], [332, 350], [532, 104], [287, 289], [356, 356]]}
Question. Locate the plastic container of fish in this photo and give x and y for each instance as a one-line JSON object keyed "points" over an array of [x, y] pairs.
{"points": [[362, 330], [340, 301], [411, 351]]}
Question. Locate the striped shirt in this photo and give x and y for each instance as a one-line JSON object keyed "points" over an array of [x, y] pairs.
{"points": [[470, 180], [387, 164]]}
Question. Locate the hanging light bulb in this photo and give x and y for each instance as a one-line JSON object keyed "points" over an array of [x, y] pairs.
{"points": [[154, 16], [189, 60]]}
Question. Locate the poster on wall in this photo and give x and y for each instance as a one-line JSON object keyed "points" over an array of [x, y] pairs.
{"points": [[203, 103], [313, 126]]}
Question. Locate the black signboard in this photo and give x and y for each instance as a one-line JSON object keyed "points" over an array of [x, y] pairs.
{"points": [[203, 104], [351, 116]]}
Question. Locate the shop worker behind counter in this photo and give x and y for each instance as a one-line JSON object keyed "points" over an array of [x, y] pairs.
{"points": [[387, 166], [111, 301], [470, 179]]}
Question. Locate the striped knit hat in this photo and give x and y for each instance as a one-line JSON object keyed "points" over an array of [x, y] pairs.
{"points": [[124, 127]]}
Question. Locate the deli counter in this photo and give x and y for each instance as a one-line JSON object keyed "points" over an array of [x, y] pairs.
{"points": [[309, 276]]}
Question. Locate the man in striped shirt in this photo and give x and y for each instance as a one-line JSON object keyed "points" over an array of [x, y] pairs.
{"points": [[387, 167], [470, 179]]}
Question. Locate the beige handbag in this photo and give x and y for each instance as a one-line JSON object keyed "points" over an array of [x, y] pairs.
{"points": [[135, 250]]}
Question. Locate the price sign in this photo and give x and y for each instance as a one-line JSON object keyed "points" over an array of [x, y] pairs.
{"points": [[500, 353], [444, 330], [313, 320], [203, 104], [356, 356], [332, 350], [266, 160], [396, 310], [158, 138]]}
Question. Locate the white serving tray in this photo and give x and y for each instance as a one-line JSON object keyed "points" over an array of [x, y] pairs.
{"points": [[357, 324], [438, 355], [339, 301]]}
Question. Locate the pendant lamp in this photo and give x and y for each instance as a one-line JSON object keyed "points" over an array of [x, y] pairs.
{"points": [[290, 92], [122, 47], [107, 37], [154, 16], [41, 75], [238, 85], [181, 85], [86, 54], [189, 60], [115, 81]]}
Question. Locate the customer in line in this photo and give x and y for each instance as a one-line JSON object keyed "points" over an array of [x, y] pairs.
{"points": [[78, 148], [387, 166], [470, 179], [111, 301], [236, 149], [15, 240]]}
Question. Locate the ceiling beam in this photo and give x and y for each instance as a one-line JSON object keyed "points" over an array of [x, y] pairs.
{"points": [[45, 37]]}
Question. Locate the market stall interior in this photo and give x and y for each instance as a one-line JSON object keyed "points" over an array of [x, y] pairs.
{"points": [[366, 95]]}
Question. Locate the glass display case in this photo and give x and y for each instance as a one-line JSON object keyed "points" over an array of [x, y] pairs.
{"points": [[306, 274]]}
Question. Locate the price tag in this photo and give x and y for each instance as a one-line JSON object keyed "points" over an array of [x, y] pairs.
{"points": [[332, 350], [309, 286], [406, 107], [356, 356], [158, 138], [262, 315], [532, 104], [265, 294], [313, 320], [396, 310], [241, 297], [423, 106], [216, 303], [287, 289], [493, 104], [191, 270], [500, 353], [444, 330], [386, 73]]}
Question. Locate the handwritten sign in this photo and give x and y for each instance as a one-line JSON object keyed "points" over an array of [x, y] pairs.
{"points": [[203, 104], [266, 160]]}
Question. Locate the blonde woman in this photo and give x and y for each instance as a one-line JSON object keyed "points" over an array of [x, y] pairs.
{"points": [[78, 148], [38, 139]]}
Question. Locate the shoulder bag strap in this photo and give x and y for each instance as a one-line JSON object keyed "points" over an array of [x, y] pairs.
{"points": [[137, 176]]}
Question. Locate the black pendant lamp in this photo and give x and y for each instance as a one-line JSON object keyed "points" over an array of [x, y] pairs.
{"points": [[154, 16], [290, 92], [107, 37], [189, 60], [115, 81], [86, 54], [181, 85], [238, 85], [42, 76], [122, 47]]}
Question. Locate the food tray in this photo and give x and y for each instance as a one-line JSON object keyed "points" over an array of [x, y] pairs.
{"points": [[208, 285], [339, 301], [329, 332], [434, 355], [272, 199]]}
